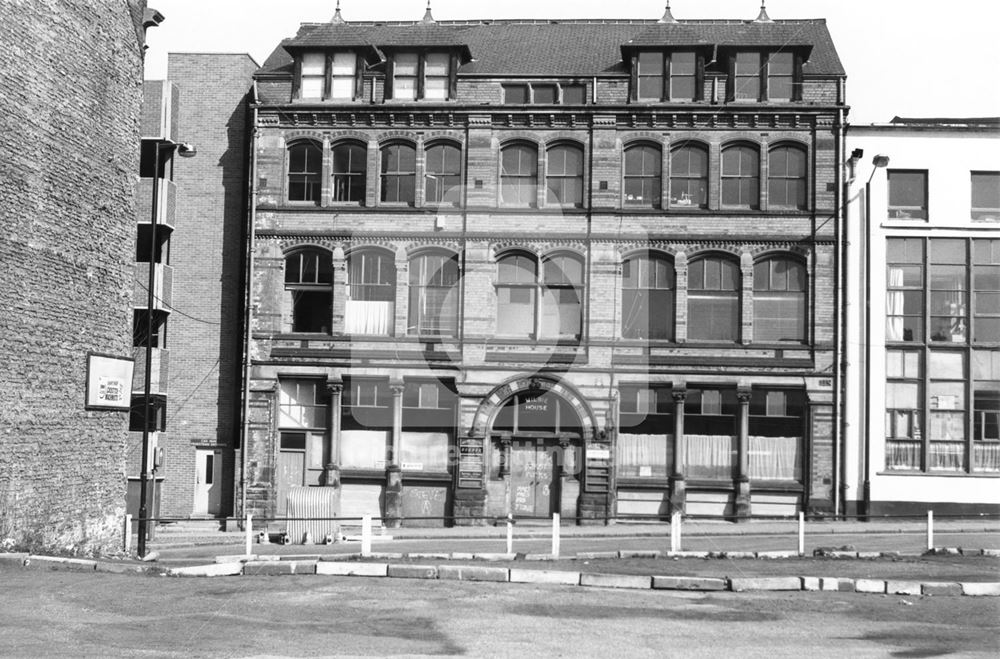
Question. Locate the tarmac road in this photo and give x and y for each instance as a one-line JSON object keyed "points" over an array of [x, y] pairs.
{"points": [[86, 614]]}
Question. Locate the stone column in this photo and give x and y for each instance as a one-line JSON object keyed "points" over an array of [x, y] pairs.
{"points": [[331, 475], [743, 442], [678, 489], [394, 473]]}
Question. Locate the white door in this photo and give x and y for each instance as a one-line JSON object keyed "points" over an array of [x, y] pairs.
{"points": [[208, 482]]}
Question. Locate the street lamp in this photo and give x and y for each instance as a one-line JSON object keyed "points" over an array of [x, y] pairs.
{"points": [[878, 162], [186, 151]]}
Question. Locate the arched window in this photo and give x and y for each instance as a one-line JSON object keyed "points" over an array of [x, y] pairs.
{"points": [[562, 295], [399, 172], [689, 177], [564, 176], [786, 177], [371, 303], [308, 292], [517, 275], [713, 299], [305, 161], [779, 300], [642, 176], [349, 172], [443, 177], [518, 175], [741, 177], [648, 298], [434, 295]]}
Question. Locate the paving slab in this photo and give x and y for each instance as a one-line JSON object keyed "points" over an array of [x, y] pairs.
{"points": [[896, 587], [688, 583], [875, 586], [738, 584], [615, 580], [473, 573], [946, 588], [352, 569], [981, 589], [59, 563], [413, 571], [212, 570], [544, 577]]}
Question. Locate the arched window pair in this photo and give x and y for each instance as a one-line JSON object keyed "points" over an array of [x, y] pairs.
{"points": [[539, 298], [370, 301], [563, 175], [398, 171], [713, 299], [688, 180]]}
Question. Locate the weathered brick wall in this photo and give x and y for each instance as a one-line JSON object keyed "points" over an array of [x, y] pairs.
{"points": [[71, 92], [207, 257]]}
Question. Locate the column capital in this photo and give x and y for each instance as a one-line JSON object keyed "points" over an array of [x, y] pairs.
{"points": [[397, 389], [334, 388], [743, 395], [679, 394]]}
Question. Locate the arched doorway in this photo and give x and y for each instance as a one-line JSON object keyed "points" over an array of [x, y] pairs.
{"points": [[535, 430]]}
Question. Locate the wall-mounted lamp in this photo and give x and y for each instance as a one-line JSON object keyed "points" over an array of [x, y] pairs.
{"points": [[185, 150]]}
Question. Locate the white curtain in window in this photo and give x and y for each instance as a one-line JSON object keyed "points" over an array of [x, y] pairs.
{"points": [[775, 458], [709, 456], [946, 456], [986, 456], [894, 306], [902, 454], [369, 317], [424, 451], [644, 456]]}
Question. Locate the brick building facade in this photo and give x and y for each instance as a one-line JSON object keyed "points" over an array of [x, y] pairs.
{"points": [[595, 274], [71, 94]]}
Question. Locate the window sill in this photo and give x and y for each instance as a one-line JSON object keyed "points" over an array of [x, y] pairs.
{"points": [[936, 474]]}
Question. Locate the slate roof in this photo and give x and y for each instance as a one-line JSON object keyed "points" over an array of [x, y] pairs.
{"points": [[564, 48]]}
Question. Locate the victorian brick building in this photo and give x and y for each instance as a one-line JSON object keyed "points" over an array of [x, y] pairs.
{"points": [[526, 267]]}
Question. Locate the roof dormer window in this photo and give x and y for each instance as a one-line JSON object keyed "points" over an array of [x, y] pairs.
{"points": [[757, 76], [420, 76], [328, 76], [667, 76]]}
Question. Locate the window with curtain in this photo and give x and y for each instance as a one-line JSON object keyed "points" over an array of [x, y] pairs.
{"points": [[564, 176], [986, 292], [779, 300], [689, 177], [434, 295], [404, 76], [313, 75], [371, 285], [741, 177], [948, 295], [642, 176], [342, 76], [518, 175], [786, 177], [903, 409], [986, 410], [713, 299], [562, 296], [308, 302], [350, 167], [437, 75], [904, 313], [443, 175], [399, 171], [648, 285], [777, 423], [947, 410], [305, 163], [516, 290], [645, 436], [710, 435]]}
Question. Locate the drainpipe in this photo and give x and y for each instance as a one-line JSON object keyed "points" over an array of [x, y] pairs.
{"points": [[248, 300], [840, 324]]}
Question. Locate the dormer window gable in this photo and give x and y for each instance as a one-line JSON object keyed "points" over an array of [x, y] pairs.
{"points": [[761, 75], [327, 75], [673, 75], [420, 75]]}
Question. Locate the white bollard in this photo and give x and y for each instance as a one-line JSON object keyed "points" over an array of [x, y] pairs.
{"points": [[802, 533], [555, 535], [675, 531], [248, 527], [366, 535], [930, 530], [510, 534], [128, 534]]}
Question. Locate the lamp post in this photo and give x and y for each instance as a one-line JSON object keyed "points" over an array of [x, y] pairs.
{"points": [[878, 162], [186, 151]]}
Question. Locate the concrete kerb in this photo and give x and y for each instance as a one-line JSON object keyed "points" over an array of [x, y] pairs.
{"points": [[270, 566]]}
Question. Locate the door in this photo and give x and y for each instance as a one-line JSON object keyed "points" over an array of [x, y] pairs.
{"points": [[291, 473], [208, 482], [532, 479]]}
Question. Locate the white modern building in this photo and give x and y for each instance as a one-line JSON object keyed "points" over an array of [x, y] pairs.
{"points": [[923, 317]]}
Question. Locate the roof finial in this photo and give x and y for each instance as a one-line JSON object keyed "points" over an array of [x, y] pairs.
{"points": [[337, 18], [763, 17], [667, 16], [428, 19]]}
